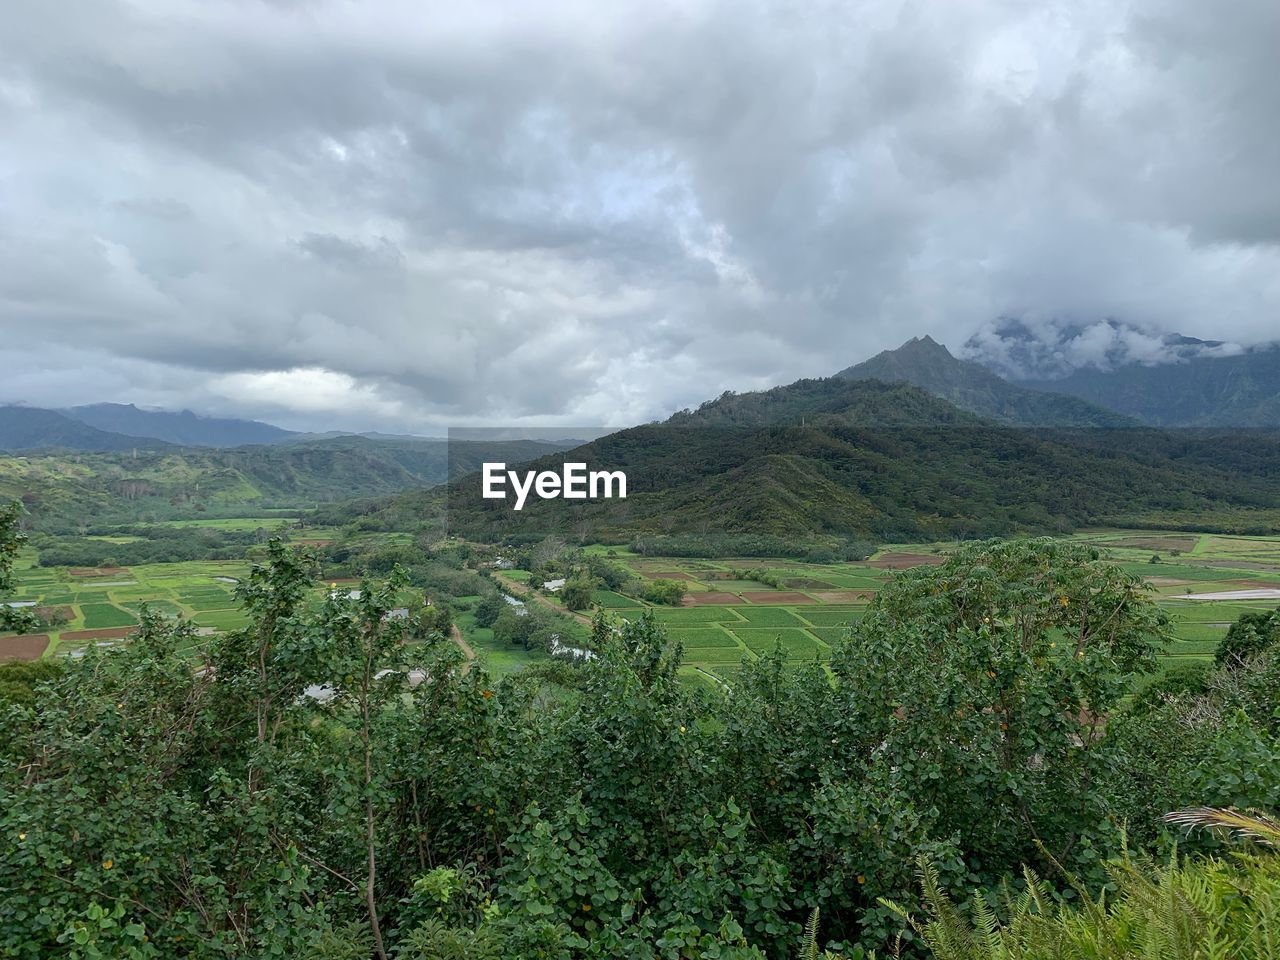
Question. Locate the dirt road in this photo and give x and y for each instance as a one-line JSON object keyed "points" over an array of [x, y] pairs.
{"points": [[467, 650]]}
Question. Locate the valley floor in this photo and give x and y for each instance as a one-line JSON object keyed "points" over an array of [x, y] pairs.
{"points": [[1205, 581]]}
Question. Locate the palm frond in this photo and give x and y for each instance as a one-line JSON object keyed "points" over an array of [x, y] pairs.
{"points": [[1252, 826]]}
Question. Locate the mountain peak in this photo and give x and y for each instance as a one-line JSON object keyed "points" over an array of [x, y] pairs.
{"points": [[922, 347], [927, 364], [925, 341]]}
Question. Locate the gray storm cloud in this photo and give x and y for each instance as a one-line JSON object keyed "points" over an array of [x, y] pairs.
{"points": [[383, 215]]}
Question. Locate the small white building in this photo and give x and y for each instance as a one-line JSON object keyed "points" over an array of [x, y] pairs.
{"points": [[553, 585]]}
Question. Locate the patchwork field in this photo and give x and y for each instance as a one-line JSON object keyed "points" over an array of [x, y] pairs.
{"points": [[735, 609], [104, 603], [728, 615]]}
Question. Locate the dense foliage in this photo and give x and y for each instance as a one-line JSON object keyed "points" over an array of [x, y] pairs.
{"points": [[11, 541], [1253, 633], [296, 795], [158, 544], [1188, 911]]}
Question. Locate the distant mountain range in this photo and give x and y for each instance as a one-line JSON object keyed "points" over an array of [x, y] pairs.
{"points": [[185, 429], [1198, 386], [914, 444], [33, 428], [101, 427], [122, 426], [1195, 388], [927, 364]]}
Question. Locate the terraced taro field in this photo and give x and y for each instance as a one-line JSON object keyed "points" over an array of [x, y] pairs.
{"points": [[102, 605], [726, 617]]}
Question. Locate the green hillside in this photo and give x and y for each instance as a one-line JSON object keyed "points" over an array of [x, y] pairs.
{"points": [[63, 490], [873, 460]]}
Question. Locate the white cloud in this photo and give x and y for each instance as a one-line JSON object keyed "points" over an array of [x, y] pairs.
{"points": [[306, 390], [365, 215]]}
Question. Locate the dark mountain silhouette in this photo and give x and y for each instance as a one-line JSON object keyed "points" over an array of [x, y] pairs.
{"points": [[184, 428], [32, 428]]}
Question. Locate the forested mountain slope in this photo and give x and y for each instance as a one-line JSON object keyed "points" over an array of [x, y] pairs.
{"points": [[869, 459], [31, 428], [1243, 390]]}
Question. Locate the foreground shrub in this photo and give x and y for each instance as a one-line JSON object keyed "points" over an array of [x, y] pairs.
{"points": [[1195, 909]]}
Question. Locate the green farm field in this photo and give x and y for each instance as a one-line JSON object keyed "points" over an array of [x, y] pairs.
{"points": [[98, 604], [106, 604], [805, 607], [811, 610]]}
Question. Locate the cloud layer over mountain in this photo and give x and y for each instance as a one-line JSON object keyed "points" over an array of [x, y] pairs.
{"points": [[1046, 348], [398, 216]]}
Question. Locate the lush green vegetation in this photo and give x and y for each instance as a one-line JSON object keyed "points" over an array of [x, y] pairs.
{"points": [[1180, 911], [70, 493], [974, 718], [135, 545], [842, 460]]}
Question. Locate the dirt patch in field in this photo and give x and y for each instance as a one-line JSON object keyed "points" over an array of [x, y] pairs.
{"points": [[27, 647], [808, 583], [901, 561], [103, 633], [844, 596], [777, 597], [709, 598], [1239, 565], [60, 614], [1255, 584], [1154, 543], [669, 575], [1168, 582], [97, 571]]}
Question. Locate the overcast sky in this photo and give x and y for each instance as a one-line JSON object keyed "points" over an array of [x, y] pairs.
{"points": [[404, 216]]}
